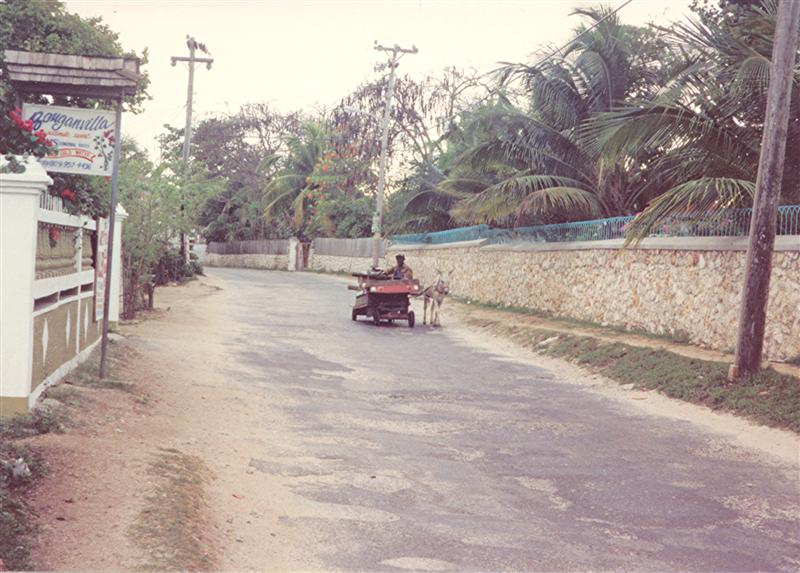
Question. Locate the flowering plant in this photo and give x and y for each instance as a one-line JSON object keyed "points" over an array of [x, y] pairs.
{"points": [[69, 195], [36, 143]]}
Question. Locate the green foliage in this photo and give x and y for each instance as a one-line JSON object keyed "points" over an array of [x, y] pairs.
{"points": [[161, 204], [532, 165], [698, 140], [47, 26]]}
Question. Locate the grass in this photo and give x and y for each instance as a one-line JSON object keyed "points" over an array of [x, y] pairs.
{"points": [[170, 527], [678, 336], [769, 397]]}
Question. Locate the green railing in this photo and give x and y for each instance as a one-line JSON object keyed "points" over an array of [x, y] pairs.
{"points": [[731, 223]]}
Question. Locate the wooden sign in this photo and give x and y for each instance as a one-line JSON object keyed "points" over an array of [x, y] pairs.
{"points": [[85, 138]]}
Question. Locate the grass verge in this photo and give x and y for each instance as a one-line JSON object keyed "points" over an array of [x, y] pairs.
{"points": [[677, 336], [769, 397], [170, 527]]}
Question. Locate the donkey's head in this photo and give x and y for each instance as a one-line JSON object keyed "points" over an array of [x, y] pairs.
{"points": [[442, 283]]}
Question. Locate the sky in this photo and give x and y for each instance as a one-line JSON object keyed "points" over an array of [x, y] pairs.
{"points": [[304, 54]]}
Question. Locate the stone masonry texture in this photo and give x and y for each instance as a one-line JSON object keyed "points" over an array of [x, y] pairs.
{"points": [[685, 293]]}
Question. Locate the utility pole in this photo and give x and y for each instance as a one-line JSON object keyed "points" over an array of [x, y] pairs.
{"points": [[395, 53], [755, 294], [187, 137]]}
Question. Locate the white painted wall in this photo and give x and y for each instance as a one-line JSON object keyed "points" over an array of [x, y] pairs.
{"points": [[19, 216], [116, 266], [19, 206]]}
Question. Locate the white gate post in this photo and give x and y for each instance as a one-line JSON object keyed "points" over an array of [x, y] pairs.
{"points": [[19, 214], [293, 244], [116, 267]]}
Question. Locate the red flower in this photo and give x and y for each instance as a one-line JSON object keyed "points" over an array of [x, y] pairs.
{"points": [[69, 195], [54, 234]]}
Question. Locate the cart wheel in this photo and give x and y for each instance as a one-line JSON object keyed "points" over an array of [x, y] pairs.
{"points": [[411, 319], [354, 314], [376, 318]]}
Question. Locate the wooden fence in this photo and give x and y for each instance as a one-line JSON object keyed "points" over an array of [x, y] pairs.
{"points": [[346, 247], [258, 247]]}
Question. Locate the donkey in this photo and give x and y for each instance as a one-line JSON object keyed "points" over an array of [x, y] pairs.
{"points": [[434, 295]]}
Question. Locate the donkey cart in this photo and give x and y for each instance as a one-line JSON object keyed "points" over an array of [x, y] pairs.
{"points": [[383, 298]]}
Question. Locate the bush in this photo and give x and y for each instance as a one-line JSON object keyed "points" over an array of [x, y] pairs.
{"points": [[169, 268]]}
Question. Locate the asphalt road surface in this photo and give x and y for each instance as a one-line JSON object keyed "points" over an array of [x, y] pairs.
{"points": [[410, 449]]}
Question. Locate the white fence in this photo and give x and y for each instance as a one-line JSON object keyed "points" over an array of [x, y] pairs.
{"points": [[50, 311]]}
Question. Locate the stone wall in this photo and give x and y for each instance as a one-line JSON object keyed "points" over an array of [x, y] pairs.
{"points": [[339, 264], [686, 287], [272, 262]]}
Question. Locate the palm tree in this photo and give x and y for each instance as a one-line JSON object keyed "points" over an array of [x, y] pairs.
{"points": [[702, 132], [291, 189], [539, 166]]}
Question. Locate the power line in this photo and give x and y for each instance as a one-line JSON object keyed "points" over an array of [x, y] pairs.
{"points": [[586, 31]]}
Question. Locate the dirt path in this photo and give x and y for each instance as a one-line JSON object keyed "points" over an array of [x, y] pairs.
{"points": [[156, 475]]}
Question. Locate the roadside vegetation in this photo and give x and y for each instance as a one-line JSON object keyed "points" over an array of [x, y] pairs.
{"points": [[658, 121], [769, 397]]}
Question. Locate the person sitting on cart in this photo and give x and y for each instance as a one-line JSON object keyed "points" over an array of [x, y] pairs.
{"points": [[401, 271]]}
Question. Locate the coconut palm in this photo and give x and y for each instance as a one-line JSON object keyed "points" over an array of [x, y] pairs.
{"points": [[540, 166], [702, 132], [291, 188]]}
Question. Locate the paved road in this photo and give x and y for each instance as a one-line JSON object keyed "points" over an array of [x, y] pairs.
{"points": [[412, 450]]}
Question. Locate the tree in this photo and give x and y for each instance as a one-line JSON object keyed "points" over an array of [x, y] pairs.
{"points": [[153, 196], [702, 134], [535, 165], [46, 26], [291, 192], [245, 150]]}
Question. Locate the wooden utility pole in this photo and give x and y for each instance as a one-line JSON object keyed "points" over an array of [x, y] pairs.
{"points": [[187, 134], [396, 52], [755, 295]]}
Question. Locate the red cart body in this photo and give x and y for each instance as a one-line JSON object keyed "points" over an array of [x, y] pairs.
{"points": [[384, 299]]}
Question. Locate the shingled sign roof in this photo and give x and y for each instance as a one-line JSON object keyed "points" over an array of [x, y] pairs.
{"points": [[61, 74]]}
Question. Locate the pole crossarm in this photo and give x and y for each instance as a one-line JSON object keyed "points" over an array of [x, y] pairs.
{"points": [[207, 61]]}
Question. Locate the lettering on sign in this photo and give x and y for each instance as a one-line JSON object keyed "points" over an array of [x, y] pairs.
{"points": [[85, 138]]}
